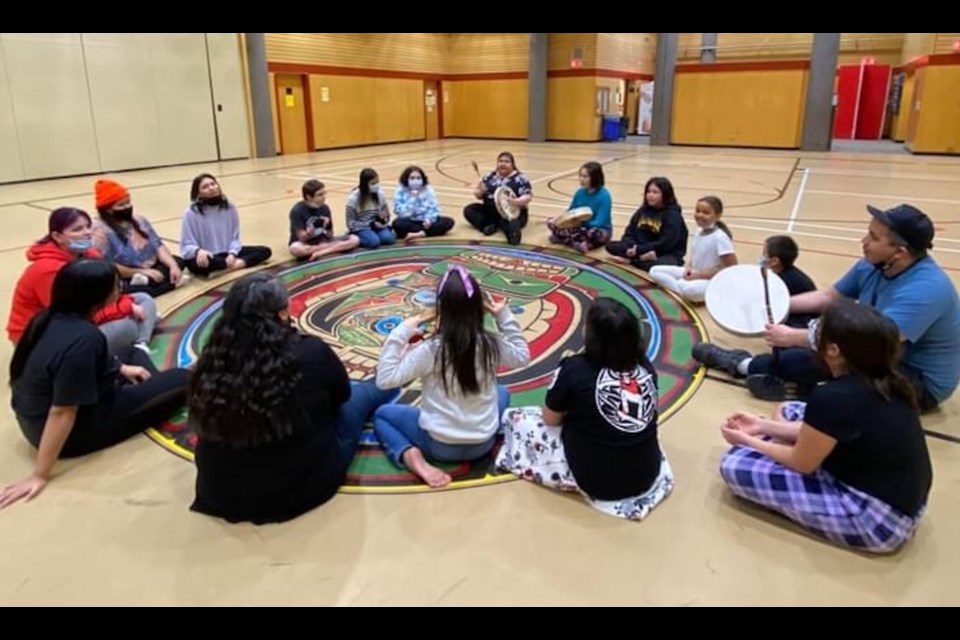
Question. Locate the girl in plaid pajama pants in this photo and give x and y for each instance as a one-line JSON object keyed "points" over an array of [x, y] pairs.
{"points": [[853, 466]]}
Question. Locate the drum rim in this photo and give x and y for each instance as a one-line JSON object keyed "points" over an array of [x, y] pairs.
{"points": [[505, 210], [563, 223], [773, 278]]}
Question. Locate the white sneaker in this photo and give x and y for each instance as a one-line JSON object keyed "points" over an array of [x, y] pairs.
{"points": [[139, 280], [143, 347]]}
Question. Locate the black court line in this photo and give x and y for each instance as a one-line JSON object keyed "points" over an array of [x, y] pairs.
{"points": [[942, 436], [729, 381], [224, 174]]}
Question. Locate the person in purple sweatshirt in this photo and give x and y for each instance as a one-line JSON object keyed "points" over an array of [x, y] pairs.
{"points": [[210, 233]]}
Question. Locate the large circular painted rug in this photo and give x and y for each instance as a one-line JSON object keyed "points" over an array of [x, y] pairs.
{"points": [[353, 301]]}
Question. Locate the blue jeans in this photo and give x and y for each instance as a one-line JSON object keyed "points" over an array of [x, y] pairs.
{"points": [[365, 398], [398, 427], [370, 239]]}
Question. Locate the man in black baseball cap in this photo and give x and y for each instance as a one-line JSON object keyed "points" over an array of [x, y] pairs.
{"points": [[908, 228], [898, 278]]}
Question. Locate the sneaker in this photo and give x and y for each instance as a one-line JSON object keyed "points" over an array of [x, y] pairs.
{"points": [[143, 347], [489, 230], [713, 357], [555, 239], [139, 280], [513, 236]]}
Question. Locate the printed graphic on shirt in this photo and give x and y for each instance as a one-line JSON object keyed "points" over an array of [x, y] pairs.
{"points": [[653, 223], [627, 400]]}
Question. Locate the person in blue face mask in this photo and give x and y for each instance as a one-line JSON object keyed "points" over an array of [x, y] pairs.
{"points": [[418, 211], [368, 216], [127, 321]]}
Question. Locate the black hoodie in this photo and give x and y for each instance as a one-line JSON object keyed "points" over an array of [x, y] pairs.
{"points": [[662, 231]]}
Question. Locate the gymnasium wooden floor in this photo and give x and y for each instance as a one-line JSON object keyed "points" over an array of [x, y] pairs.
{"points": [[114, 528]]}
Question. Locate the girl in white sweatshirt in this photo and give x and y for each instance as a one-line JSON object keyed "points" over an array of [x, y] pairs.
{"points": [[460, 403]]}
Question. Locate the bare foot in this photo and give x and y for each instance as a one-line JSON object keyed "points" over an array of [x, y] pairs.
{"points": [[413, 459]]}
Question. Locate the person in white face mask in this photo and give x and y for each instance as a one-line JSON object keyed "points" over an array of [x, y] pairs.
{"points": [[711, 251], [418, 211], [368, 216]]}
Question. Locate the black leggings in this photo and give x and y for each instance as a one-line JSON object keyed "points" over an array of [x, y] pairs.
{"points": [[485, 217], [800, 365], [440, 226], [251, 255], [619, 248], [132, 409], [155, 288]]}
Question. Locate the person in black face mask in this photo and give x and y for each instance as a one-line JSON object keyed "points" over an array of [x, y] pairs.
{"points": [[210, 233], [144, 262], [898, 278]]}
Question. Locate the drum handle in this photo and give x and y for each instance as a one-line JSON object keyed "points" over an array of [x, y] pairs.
{"points": [[766, 294]]}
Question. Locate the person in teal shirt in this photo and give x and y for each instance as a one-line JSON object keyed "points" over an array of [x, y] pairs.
{"points": [[596, 231]]}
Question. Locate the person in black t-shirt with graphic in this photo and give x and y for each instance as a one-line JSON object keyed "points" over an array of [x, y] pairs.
{"points": [[311, 226], [855, 468], [70, 396], [606, 400]]}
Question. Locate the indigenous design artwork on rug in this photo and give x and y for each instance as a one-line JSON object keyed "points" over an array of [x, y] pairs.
{"points": [[353, 301]]}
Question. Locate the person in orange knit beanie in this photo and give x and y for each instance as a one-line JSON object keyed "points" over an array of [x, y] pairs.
{"points": [[144, 262]]}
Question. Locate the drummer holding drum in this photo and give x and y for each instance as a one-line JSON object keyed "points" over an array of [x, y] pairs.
{"points": [[898, 278], [508, 212], [588, 224]]}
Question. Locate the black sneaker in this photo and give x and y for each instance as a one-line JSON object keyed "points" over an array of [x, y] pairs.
{"points": [[713, 357], [489, 230], [513, 236], [771, 388]]}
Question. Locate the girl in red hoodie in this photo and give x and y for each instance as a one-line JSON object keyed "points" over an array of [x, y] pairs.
{"points": [[127, 322]]}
